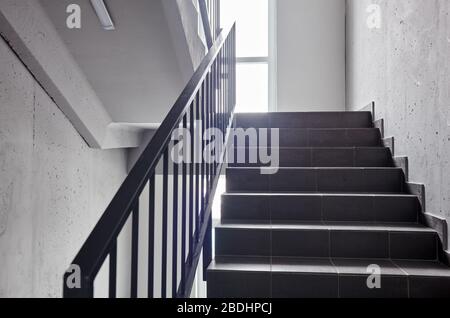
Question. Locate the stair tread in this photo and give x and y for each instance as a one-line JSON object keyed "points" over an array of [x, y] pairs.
{"points": [[328, 266], [306, 113], [331, 226], [379, 147], [331, 128], [316, 168], [322, 194], [305, 119]]}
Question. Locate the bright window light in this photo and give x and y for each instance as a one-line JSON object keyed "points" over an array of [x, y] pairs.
{"points": [[252, 25], [252, 88]]}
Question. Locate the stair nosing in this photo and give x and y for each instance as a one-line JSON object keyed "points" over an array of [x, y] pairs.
{"points": [[404, 271], [390, 228], [316, 168], [320, 194]]}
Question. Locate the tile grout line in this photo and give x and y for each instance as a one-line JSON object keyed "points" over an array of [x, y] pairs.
{"points": [[338, 277], [407, 276]]}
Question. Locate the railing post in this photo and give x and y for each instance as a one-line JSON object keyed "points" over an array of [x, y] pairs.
{"points": [[184, 210], [86, 290], [151, 237], [207, 248], [175, 228], [135, 251], [165, 225]]}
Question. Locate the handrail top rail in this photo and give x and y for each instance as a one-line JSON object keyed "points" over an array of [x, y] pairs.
{"points": [[96, 248]]}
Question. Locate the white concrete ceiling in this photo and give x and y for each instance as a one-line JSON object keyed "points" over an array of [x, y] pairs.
{"points": [[134, 70]]}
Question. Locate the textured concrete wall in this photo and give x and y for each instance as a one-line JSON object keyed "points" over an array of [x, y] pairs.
{"points": [[404, 66], [53, 187]]}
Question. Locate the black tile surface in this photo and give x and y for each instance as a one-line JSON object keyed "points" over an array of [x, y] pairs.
{"points": [[241, 207], [242, 242], [239, 284], [351, 286], [348, 208], [300, 243], [297, 285], [312, 229], [414, 245], [284, 209], [359, 244]]}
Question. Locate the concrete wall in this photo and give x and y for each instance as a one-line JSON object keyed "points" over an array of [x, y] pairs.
{"points": [[311, 55], [405, 67], [53, 187]]}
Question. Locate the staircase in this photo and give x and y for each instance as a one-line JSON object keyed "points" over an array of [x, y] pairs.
{"points": [[336, 206]]}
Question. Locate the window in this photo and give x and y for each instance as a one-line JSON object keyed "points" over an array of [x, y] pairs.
{"points": [[254, 46]]}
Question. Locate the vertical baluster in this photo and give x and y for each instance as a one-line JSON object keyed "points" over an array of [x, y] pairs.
{"points": [[202, 162], [213, 20], [217, 15], [227, 110], [175, 228], [191, 185], [225, 90], [164, 224], [135, 250], [225, 76], [208, 125], [197, 166], [222, 77], [216, 106], [210, 119], [234, 69], [221, 98], [219, 104], [217, 110], [113, 271], [213, 114], [184, 210], [207, 247], [151, 236]]}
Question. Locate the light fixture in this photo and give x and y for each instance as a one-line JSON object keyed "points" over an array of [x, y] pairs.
{"points": [[103, 14]]}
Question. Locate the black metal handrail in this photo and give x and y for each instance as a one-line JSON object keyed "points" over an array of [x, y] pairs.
{"points": [[209, 97]]}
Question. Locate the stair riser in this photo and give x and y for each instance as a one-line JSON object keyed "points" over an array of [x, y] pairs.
{"points": [[299, 285], [305, 120], [325, 243], [318, 157], [239, 285], [315, 208], [290, 138], [317, 180]]}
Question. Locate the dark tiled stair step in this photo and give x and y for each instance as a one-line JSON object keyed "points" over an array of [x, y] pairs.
{"points": [[316, 157], [306, 120], [328, 240], [354, 180], [287, 208], [233, 277], [295, 137]]}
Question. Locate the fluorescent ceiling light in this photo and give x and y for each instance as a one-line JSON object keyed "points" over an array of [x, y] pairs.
{"points": [[103, 14]]}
